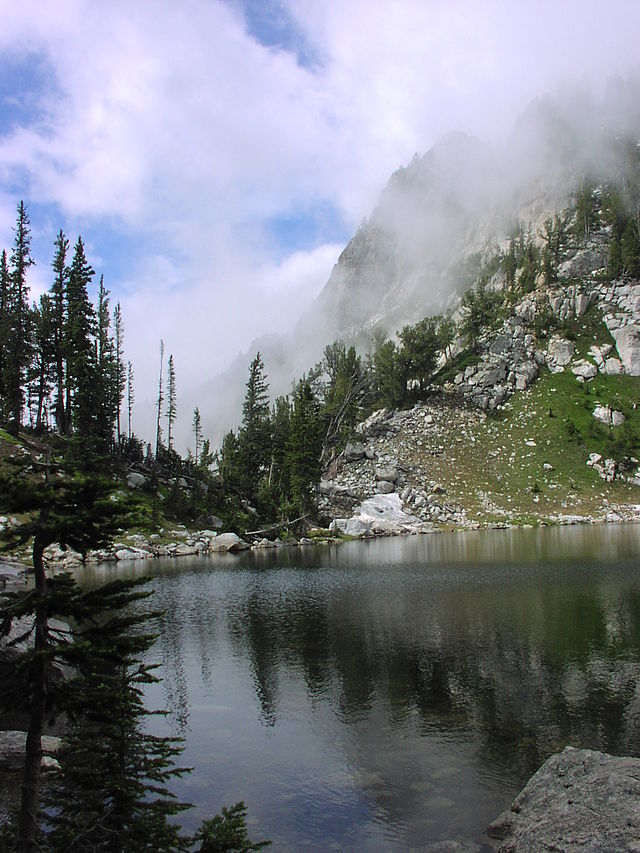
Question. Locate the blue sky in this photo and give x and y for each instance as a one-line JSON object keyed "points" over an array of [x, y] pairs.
{"points": [[216, 155]]}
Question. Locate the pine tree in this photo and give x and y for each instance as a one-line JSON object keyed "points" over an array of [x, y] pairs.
{"points": [[120, 379], [73, 509], [171, 401], [160, 401], [43, 363], [105, 390], [304, 447], [80, 351], [419, 350], [253, 452], [390, 374], [130, 397], [5, 328], [18, 350], [111, 793], [197, 433], [58, 296]]}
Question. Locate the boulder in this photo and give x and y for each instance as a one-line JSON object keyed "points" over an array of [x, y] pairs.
{"points": [[583, 369], [384, 487], [627, 340], [387, 473], [612, 367], [227, 542], [357, 527], [12, 749], [135, 480], [579, 800], [354, 451], [559, 353], [608, 416]]}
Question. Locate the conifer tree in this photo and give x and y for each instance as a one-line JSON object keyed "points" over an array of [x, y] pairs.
{"points": [[171, 401], [79, 345], [43, 363], [73, 509], [120, 380], [304, 447], [105, 390], [197, 433], [160, 401], [111, 793], [58, 296], [18, 345], [4, 330], [130, 396], [253, 451]]}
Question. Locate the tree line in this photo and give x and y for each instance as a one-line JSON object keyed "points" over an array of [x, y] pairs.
{"points": [[62, 364]]}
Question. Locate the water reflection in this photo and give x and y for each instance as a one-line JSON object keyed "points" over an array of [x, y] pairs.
{"points": [[378, 696]]}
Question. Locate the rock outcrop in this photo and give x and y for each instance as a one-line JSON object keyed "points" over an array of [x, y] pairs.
{"points": [[579, 800]]}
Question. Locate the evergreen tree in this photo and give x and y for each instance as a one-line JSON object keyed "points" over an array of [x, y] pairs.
{"points": [[130, 397], [280, 427], [79, 346], [197, 433], [17, 353], [419, 350], [120, 379], [58, 296], [5, 328], [304, 447], [390, 375], [347, 387], [73, 509], [227, 833], [446, 335], [105, 391], [111, 793], [160, 401], [171, 401], [43, 364], [254, 435], [630, 249]]}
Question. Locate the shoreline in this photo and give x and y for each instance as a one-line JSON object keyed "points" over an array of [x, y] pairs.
{"points": [[16, 571]]}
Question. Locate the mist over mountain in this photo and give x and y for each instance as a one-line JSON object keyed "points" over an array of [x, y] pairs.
{"points": [[437, 217]]}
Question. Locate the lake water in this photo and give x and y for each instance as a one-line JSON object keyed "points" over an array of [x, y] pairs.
{"points": [[381, 695]]}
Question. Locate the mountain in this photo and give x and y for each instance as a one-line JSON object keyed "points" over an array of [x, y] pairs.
{"points": [[439, 222]]}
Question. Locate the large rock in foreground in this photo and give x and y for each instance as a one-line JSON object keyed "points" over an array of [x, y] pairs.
{"points": [[579, 800]]}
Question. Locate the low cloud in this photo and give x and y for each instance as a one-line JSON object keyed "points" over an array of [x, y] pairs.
{"points": [[189, 132]]}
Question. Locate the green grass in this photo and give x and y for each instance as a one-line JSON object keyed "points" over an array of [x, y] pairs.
{"points": [[5, 436], [495, 466]]}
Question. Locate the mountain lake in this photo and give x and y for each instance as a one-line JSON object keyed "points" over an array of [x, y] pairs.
{"points": [[381, 695]]}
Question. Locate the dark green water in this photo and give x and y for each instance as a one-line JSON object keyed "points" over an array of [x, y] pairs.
{"points": [[378, 696]]}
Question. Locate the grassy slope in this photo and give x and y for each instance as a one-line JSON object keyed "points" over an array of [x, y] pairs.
{"points": [[495, 468]]}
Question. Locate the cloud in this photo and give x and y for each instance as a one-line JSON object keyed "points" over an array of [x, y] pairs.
{"points": [[204, 132]]}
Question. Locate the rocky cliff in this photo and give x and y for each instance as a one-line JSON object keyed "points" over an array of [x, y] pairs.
{"points": [[495, 446]]}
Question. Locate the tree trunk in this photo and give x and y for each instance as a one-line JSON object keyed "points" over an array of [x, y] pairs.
{"points": [[28, 817]]}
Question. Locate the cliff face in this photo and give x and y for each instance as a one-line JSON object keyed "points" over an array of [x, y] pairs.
{"points": [[460, 202]]}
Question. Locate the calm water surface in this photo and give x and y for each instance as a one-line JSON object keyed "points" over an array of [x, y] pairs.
{"points": [[378, 696]]}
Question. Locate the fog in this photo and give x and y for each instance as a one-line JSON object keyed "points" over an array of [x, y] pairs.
{"points": [[218, 156]]}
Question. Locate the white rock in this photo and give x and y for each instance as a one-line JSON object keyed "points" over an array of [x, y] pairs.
{"points": [[627, 340], [136, 480], [583, 369], [227, 542], [559, 352]]}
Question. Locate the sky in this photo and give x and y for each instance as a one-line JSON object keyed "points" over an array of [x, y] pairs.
{"points": [[217, 155]]}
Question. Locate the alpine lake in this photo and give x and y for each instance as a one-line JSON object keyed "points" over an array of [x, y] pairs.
{"points": [[382, 695]]}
